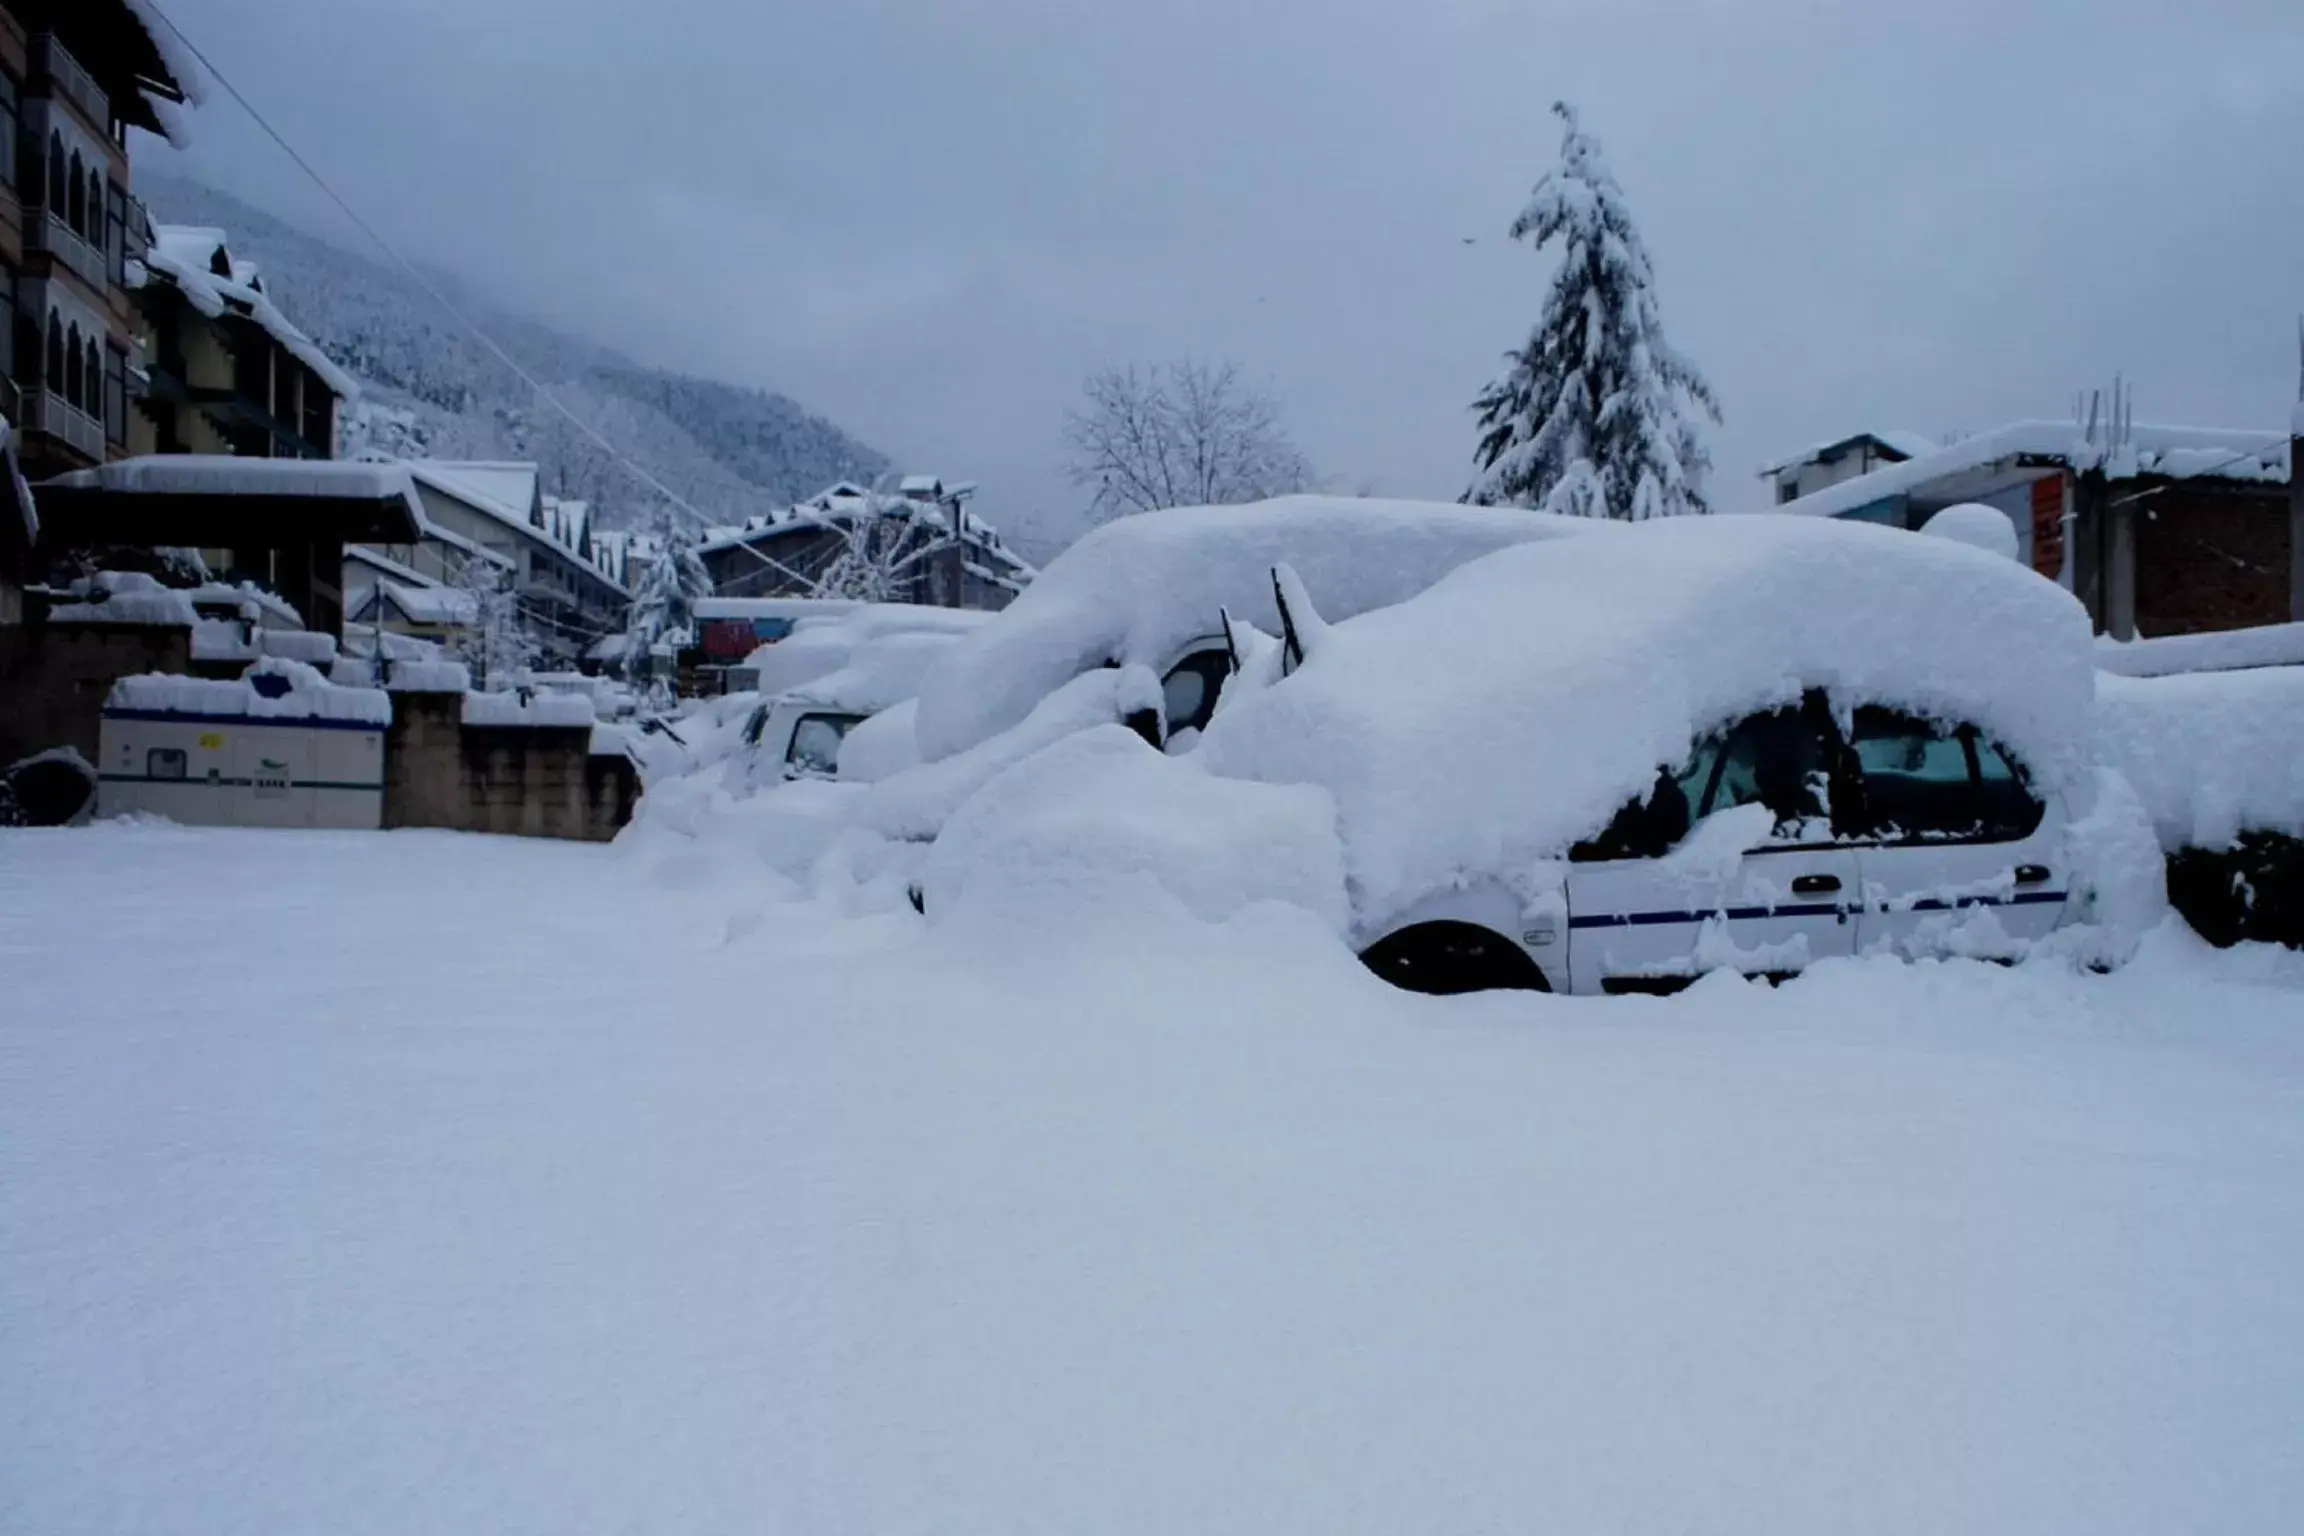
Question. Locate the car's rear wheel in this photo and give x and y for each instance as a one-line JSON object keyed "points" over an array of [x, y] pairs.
{"points": [[1446, 958]]}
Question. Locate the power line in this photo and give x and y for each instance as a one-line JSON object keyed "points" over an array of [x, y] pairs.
{"points": [[415, 275]]}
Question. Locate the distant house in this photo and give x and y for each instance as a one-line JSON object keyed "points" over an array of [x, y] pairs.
{"points": [[935, 549], [228, 373], [567, 599], [2159, 530], [1844, 458]]}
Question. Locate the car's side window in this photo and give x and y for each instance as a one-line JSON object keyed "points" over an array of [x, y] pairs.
{"points": [[816, 743], [1929, 781], [1189, 690], [1779, 759]]}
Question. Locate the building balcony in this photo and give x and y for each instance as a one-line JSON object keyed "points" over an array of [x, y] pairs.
{"points": [[53, 65], [67, 423], [44, 231]]}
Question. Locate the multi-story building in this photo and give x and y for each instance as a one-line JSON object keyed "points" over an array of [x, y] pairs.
{"points": [[226, 372], [495, 515], [921, 545], [75, 76]]}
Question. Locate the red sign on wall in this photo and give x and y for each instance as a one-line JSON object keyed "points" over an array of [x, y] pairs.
{"points": [[2048, 526]]}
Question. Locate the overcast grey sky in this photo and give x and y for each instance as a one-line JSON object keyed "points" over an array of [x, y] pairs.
{"points": [[928, 220]]}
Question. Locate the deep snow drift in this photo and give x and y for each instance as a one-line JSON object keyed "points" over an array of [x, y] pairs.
{"points": [[408, 1182]]}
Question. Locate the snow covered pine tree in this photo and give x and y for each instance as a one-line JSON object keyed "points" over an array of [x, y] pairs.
{"points": [[665, 601], [1595, 417]]}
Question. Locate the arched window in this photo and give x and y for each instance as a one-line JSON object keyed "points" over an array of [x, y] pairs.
{"points": [[76, 202], [95, 229], [54, 374], [94, 374], [75, 379], [53, 194]]}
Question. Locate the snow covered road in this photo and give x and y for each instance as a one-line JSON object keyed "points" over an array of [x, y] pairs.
{"points": [[424, 1183]]}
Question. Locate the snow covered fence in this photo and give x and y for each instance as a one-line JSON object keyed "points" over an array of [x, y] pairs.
{"points": [[55, 674], [474, 762]]}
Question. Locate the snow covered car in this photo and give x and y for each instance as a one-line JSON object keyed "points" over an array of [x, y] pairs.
{"points": [[799, 732], [1151, 590], [1746, 742]]}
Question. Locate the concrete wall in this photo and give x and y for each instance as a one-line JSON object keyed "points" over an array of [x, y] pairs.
{"points": [[54, 678], [528, 781]]}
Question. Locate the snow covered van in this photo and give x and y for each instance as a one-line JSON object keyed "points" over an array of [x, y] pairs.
{"points": [[1151, 591], [1614, 765]]}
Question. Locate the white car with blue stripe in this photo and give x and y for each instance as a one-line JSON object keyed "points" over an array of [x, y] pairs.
{"points": [[1751, 743]]}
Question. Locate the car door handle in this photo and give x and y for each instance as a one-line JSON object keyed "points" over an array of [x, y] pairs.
{"points": [[2032, 874], [1814, 885]]}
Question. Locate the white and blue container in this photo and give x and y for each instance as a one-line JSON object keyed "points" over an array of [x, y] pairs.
{"points": [[281, 747]]}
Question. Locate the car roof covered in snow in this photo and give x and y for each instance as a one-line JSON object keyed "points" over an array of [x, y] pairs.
{"points": [[1138, 589], [824, 643], [1487, 725], [883, 670]]}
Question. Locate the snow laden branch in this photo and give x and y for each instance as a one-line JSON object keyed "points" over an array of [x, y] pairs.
{"points": [[1597, 416], [879, 551], [1178, 435]]}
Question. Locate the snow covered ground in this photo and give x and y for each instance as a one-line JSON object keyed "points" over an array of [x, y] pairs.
{"points": [[414, 1182]]}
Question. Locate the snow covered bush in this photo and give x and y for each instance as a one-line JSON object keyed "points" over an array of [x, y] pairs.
{"points": [[1598, 415]]}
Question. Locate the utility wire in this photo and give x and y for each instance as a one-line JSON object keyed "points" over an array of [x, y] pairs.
{"points": [[416, 275]]}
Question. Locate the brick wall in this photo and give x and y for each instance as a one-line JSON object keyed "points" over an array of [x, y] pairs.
{"points": [[2211, 559], [526, 781], [54, 678]]}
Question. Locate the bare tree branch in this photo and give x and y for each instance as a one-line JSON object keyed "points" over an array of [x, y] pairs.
{"points": [[1178, 434]]}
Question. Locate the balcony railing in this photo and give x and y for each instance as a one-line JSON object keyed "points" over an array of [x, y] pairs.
{"points": [[60, 419], [46, 232], [52, 60]]}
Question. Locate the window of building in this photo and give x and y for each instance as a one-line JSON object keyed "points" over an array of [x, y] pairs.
{"points": [[115, 395], [94, 228], [92, 380], [53, 374], [52, 189], [10, 91], [116, 231], [75, 199]]}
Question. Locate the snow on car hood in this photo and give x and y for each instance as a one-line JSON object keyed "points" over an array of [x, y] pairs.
{"points": [[1489, 723], [1136, 590]]}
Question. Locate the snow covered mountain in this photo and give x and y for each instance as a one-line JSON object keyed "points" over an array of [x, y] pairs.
{"points": [[432, 390]]}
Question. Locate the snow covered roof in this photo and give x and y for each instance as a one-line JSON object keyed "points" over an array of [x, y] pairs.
{"points": [[1486, 725], [507, 492], [2176, 452], [924, 499], [196, 260], [125, 597], [423, 604], [216, 474], [385, 565], [1904, 445], [274, 689], [1139, 588]]}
